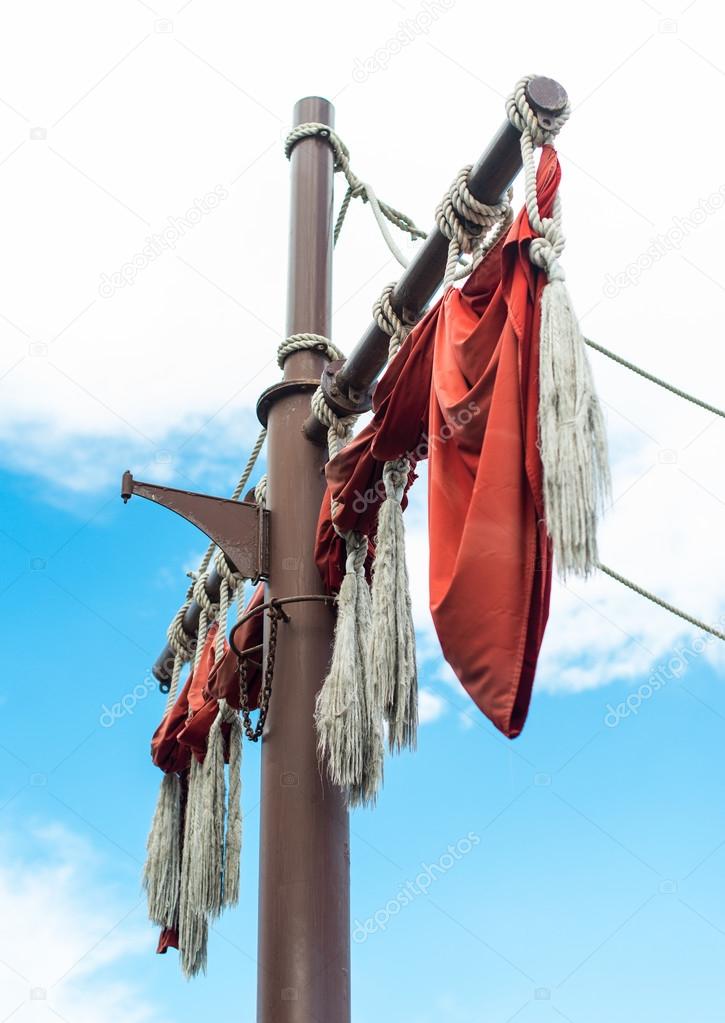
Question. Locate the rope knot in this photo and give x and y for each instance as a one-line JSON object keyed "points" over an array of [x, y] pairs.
{"points": [[230, 577], [389, 321], [472, 227], [304, 343], [228, 714], [179, 639], [202, 597], [395, 476], [543, 254], [357, 551], [260, 491]]}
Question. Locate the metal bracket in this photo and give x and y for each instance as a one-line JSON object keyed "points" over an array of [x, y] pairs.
{"points": [[547, 97], [344, 401], [239, 528]]}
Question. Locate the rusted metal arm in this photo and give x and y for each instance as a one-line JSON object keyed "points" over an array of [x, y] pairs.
{"points": [[239, 528], [348, 387]]}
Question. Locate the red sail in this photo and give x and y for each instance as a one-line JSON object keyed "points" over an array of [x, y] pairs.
{"points": [[463, 392]]}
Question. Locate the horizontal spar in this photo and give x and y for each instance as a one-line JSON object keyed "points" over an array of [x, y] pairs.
{"points": [[348, 391]]}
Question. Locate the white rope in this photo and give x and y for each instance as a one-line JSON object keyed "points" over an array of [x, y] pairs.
{"points": [[339, 429], [471, 227], [390, 322], [660, 602], [356, 189], [207, 614], [184, 646], [307, 342], [571, 434], [653, 379], [231, 583], [546, 249]]}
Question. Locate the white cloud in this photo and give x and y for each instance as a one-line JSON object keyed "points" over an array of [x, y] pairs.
{"points": [[431, 706], [92, 385], [65, 928]]}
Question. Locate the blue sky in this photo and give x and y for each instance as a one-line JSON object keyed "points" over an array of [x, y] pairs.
{"points": [[593, 884]]}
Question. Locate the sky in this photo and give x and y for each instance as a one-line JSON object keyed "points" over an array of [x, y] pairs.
{"points": [[587, 880]]}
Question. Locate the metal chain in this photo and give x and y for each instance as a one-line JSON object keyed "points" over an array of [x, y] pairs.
{"points": [[254, 733]]}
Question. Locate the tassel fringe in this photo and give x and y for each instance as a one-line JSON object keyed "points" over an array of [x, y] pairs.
{"points": [[233, 843], [162, 870], [348, 736], [392, 636], [193, 925], [211, 795], [364, 792], [572, 436], [338, 709]]}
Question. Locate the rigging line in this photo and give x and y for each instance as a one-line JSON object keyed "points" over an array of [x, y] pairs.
{"points": [[661, 603], [655, 380]]}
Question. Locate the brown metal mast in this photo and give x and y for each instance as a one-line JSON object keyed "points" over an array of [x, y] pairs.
{"points": [[304, 925]]}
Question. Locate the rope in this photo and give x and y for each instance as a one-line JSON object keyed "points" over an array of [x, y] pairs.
{"points": [[339, 430], [182, 644], [207, 614], [231, 582], [545, 250], [389, 322], [661, 603], [655, 380], [305, 343], [260, 491], [471, 227], [356, 189]]}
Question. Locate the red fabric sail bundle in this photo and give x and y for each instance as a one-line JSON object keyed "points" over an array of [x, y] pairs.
{"points": [[185, 728], [463, 392], [169, 751], [224, 677]]}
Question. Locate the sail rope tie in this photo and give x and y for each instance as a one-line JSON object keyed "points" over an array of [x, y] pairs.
{"points": [[471, 227], [357, 189]]}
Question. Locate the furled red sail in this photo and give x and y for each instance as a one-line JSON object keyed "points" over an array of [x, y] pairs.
{"points": [[463, 392]]}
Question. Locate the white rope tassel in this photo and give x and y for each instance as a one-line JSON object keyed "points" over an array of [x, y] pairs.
{"points": [[163, 855], [365, 792], [392, 636], [341, 714], [233, 838], [572, 437], [211, 799], [193, 925]]}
